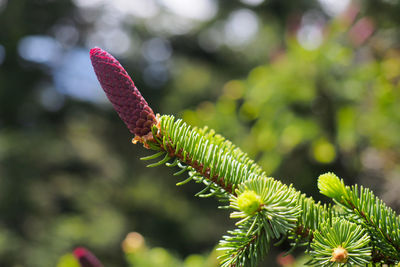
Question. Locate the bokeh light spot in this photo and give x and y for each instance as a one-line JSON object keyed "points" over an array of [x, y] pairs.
{"points": [[39, 49], [157, 49], [50, 99], [74, 76], [323, 151], [310, 37], [202, 10], [252, 2], [241, 27], [137, 8], [334, 7]]}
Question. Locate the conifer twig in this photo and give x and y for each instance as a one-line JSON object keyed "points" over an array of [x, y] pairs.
{"points": [[364, 231]]}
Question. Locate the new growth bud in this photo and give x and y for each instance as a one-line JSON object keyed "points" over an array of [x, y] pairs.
{"points": [[249, 202], [340, 255], [331, 186], [131, 107]]}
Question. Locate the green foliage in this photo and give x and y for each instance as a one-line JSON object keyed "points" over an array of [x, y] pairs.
{"points": [[329, 186], [312, 215], [270, 210], [362, 207], [209, 155], [68, 177], [276, 216], [278, 203], [340, 236], [222, 167], [68, 260], [241, 249], [139, 254], [154, 257], [324, 102]]}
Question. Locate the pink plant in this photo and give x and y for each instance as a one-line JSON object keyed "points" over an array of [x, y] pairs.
{"points": [[86, 258], [131, 107]]}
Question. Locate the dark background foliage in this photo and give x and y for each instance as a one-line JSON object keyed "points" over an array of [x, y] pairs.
{"points": [[304, 87]]}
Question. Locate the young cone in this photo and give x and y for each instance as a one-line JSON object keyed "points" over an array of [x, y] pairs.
{"points": [[132, 108]]}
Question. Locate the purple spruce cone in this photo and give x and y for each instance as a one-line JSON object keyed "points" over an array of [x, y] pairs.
{"points": [[122, 93]]}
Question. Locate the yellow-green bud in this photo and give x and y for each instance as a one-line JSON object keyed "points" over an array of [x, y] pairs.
{"points": [[331, 186], [249, 202]]}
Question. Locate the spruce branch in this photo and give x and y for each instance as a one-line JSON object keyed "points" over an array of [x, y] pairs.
{"points": [[311, 216], [208, 154], [274, 200], [361, 206], [208, 158], [267, 209], [340, 243]]}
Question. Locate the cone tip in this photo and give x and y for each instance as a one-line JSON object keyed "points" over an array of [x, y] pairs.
{"points": [[96, 50], [79, 252]]}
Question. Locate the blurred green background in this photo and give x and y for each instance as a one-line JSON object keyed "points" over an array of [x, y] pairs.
{"points": [[304, 87]]}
